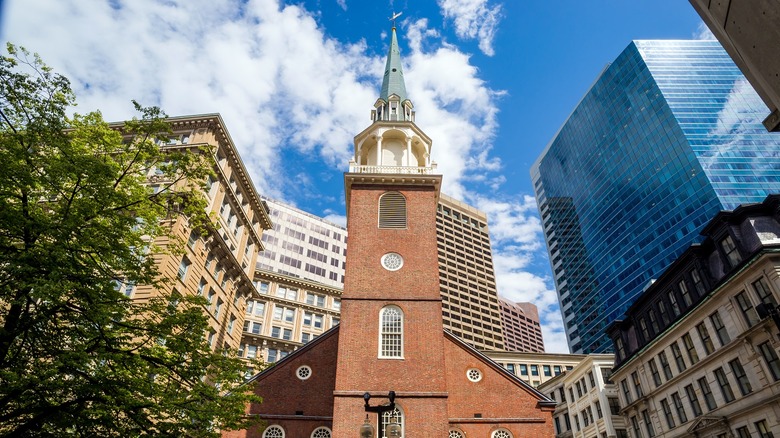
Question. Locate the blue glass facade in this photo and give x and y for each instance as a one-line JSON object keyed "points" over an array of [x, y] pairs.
{"points": [[669, 135]]}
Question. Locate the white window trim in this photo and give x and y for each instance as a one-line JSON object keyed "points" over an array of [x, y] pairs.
{"points": [[381, 314], [330, 432], [265, 432]]}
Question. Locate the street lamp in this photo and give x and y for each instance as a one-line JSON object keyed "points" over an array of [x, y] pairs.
{"points": [[392, 430]]}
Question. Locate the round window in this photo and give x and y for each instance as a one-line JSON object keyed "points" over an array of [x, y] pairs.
{"points": [[392, 261], [474, 374], [304, 372]]}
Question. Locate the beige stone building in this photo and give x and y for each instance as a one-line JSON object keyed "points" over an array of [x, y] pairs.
{"points": [[697, 354], [220, 266], [288, 313], [535, 368], [587, 400], [466, 278]]}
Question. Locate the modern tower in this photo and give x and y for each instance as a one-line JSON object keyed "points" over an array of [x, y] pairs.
{"points": [[668, 135]]}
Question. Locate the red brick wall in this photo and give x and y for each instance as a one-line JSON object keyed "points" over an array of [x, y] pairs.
{"points": [[284, 393], [496, 396], [417, 378]]}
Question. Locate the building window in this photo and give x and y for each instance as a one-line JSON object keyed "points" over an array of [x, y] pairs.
{"points": [[731, 252], [678, 406], [598, 409], [392, 210], [534, 370], [748, 311], [697, 283], [626, 391], [742, 432], [648, 424], [394, 416], [668, 413], [391, 332], [614, 405], [654, 372], [673, 301], [771, 359], [764, 293], [690, 348], [678, 357], [273, 432], [501, 433], [705, 338], [637, 384], [685, 293], [474, 374], [665, 365], [709, 399], [720, 329], [523, 369], [725, 386], [763, 429], [742, 379], [653, 320], [635, 426], [184, 266], [663, 312], [693, 400], [454, 433], [547, 370], [321, 432]]}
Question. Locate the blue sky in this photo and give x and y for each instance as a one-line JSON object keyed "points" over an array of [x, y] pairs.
{"points": [[491, 81]]}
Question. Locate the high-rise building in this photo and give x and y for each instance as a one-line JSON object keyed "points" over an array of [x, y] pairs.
{"points": [[520, 323], [220, 266], [303, 245], [468, 284], [389, 369], [749, 31], [667, 136]]}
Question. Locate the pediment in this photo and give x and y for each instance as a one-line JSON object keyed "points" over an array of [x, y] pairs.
{"points": [[707, 422]]}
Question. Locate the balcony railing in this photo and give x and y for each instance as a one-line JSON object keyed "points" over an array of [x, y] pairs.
{"points": [[405, 170]]}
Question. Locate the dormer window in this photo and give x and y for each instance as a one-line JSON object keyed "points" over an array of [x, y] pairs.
{"points": [[731, 251]]}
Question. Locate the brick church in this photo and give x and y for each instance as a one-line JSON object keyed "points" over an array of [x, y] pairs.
{"points": [[391, 336]]}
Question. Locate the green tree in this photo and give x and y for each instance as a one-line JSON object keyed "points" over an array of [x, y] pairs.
{"points": [[78, 358]]}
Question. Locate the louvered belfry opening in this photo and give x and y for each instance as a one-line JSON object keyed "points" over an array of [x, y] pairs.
{"points": [[392, 210]]}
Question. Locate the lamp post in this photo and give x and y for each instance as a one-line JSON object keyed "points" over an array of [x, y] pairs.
{"points": [[392, 430]]}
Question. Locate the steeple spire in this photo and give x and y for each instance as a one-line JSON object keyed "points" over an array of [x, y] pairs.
{"points": [[393, 81]]}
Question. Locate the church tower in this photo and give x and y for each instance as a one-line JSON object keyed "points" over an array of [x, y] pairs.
{"points": [[391, 344], [391, 329]]}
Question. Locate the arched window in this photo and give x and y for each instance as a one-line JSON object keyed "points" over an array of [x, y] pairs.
{"points": [[273, 432], [455, 433], [392, 210], [391, 332], [394, 416], [501, 433], [321, 432]]}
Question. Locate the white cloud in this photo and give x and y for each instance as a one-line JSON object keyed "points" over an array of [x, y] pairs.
{"points": [[517, 240], [703, 33], [473, 19], [280, 82], [342, 4]]}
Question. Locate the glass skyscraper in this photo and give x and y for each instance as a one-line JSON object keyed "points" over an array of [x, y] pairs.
{"points": [[668, 135]]}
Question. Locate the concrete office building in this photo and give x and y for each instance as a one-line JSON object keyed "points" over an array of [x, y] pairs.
{"points": [[667, 136], [587, 398], [535, 368], [749, 31], [697, 353], [303, 245], [220, 266], [520, 323], [466, 279]]}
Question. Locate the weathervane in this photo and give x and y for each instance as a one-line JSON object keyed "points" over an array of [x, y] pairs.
{"points": [[394, 17]]}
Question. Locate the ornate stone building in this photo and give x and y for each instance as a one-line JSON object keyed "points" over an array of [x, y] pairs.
{"points": [[697, 353]]}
